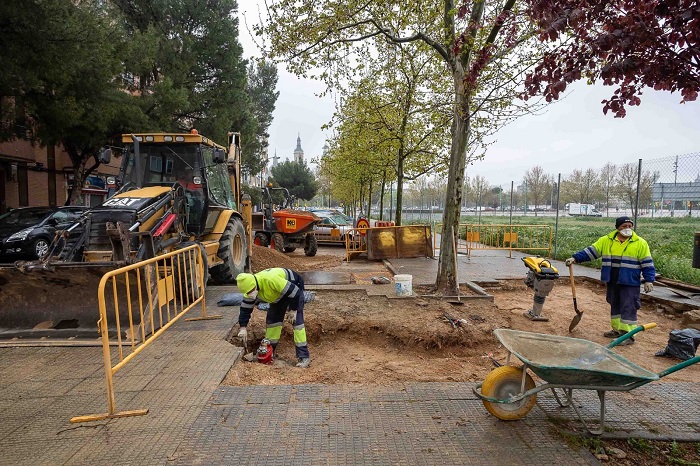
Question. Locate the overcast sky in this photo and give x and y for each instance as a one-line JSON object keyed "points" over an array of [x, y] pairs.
{"points": [[571, 134]]}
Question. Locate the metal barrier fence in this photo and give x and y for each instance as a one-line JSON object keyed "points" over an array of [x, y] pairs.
{"points": [[161, 290], [510, 237], [504, 237], [355, 243]]}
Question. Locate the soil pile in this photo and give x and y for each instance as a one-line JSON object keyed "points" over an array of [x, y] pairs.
{"points": [[374, 340], [265, 258]]}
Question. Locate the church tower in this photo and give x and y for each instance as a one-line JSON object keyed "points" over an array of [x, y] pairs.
{"points": [[299, 152]]}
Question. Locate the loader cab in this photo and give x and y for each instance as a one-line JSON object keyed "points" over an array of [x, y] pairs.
{"points": [[189, 161]]}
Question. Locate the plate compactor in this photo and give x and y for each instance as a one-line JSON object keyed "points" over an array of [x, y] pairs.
{"points": [[540, 277]]}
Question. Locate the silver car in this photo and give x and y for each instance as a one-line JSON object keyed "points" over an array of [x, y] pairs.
{"points": [[333, 228]]}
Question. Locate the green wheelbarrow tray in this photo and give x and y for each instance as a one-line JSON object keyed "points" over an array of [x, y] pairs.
{"points": [[563, 363], [572, 361]]}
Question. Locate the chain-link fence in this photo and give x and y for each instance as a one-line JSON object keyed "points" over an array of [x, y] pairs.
{"points": [[661, 195]]}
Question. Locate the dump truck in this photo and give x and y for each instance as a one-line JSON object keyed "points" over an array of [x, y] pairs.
{"points": [[173, 190], [286, 228]]}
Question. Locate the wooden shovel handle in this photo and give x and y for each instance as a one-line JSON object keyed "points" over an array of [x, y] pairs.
{"points": [[573, 283]]}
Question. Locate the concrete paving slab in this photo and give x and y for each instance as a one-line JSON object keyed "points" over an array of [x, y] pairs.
{"points": [[194, 420]]}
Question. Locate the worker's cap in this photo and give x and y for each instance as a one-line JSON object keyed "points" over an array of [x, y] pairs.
{"points": [[620, 220], [245, 283]]}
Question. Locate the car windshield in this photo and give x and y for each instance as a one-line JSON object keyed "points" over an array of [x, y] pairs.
{"points": [[24, 217], [338, 219]]}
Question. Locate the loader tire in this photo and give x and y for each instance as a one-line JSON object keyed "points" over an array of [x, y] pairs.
{"points": [[233, 250], [278, 242], [311, 245]]}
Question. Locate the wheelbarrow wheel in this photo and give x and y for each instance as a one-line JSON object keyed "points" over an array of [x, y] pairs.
{"points": [[502, 383]]}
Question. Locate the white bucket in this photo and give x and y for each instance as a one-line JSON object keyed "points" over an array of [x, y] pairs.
{"points": [[403, 285]]}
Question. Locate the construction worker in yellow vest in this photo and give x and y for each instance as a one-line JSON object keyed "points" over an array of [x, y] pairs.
{"points": [[626, 259], [284, 290]]}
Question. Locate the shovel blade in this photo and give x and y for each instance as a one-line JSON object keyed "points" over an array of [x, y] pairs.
{"points": [[575, 321]]}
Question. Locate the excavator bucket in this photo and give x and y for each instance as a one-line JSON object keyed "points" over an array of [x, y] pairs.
{"points": [[58, 301]]}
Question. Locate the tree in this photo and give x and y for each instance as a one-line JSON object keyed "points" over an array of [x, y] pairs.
{"points": [[260, 87], [581, 187], [73, 101], [539, 186], [297, 178], [629, 44], [626, 185], [476, 42], [607, 180], [398, 117], [187, 66]]}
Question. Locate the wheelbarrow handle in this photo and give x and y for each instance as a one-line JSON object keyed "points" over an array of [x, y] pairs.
{"points": [[631, 333]]}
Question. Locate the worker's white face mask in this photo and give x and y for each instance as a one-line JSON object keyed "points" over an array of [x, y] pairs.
{"points": [[626, 232], [253, 294]]}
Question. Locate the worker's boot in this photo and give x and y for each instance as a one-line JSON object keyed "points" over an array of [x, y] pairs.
{"points": [[304, 363]]}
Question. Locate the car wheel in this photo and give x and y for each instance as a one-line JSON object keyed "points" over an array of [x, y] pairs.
{"points": [[40, 248]]}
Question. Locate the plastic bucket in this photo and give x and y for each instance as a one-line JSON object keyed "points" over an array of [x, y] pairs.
{"points": [[403, 285]]}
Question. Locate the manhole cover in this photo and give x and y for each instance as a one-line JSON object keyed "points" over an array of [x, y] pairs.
{"points": [[326, 278]]}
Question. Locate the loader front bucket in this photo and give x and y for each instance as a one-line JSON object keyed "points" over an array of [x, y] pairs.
{"points": [[58, 301]]}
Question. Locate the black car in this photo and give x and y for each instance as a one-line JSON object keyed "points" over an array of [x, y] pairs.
{"points": [[29, 231]]}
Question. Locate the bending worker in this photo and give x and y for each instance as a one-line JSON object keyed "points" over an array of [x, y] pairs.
{"points": [[283, 289], [625, 256]]}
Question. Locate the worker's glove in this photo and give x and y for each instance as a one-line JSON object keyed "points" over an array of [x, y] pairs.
{"points": [[648, 287], [243, 335], [570, 261], [291, 317]]}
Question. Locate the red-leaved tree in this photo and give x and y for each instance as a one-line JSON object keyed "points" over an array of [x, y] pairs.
{"points": [[629, 44]]}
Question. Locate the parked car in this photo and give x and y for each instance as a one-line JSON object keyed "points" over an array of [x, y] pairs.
{"points": [[28, 231], [333, 227]]}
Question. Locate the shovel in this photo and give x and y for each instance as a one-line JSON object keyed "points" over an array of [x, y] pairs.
{"points": [[459, 299], [577, 317]]}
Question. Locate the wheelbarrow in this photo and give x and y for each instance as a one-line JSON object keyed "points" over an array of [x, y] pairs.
{"points": [[563, 363]]}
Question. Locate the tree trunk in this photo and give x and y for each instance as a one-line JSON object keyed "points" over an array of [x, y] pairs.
{"points": [[446, 279], [381, 196], [399, 187]]}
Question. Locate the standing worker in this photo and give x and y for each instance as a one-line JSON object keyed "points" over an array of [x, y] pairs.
{"points": [[283, 289], [625, 256]]}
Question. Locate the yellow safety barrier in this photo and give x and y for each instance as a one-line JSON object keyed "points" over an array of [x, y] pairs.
{"points": [[505, 237], [509, 237], [462, 246], [161, 290], [389, 241], [355, 243]]}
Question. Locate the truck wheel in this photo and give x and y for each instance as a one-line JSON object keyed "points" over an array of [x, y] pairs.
{"points": [[261, 239], [233, 250], [277, 242], [289, 249], [311, 245]]}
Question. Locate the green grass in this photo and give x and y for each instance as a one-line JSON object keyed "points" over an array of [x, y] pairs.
{"points": [[670, 239]]}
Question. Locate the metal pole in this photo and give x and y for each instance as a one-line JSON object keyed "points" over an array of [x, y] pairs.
{"points": [[639, 188], [480, 207], [653, 204], [556, 222], [510, 221], [391, 200]]}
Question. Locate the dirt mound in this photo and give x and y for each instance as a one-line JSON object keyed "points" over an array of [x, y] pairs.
{"points": [[265, 258], [374, 340], [355, 338]]}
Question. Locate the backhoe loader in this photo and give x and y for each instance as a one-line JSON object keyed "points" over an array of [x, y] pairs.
{"points": [[173, 190]]}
